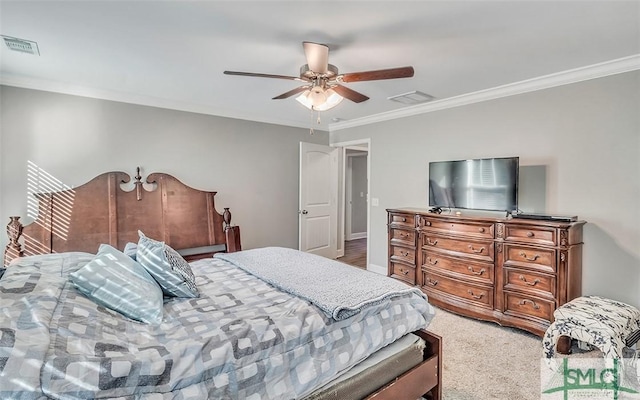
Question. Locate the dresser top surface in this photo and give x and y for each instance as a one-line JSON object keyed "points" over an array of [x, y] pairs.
{"points": [[471, 215]]}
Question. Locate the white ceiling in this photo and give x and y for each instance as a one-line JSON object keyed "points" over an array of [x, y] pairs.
{"points": [[172, 53]]}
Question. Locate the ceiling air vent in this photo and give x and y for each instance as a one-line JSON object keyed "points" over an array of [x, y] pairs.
{"points": [[414, 97], [21, 45]]}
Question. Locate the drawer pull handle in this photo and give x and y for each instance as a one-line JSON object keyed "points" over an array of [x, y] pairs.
{"points": [[477, 297], [470, 268], [481, 230], [530, 234], [480, 250], [404, 235], [404, 220], [404, 253], [524, 255], [523, 279], [432, 262], [404, 272], [432, 282], [533, 303], [431, 243], [427, 223]]}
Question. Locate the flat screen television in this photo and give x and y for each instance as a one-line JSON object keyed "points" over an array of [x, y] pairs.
{"points": [[480, 184]]}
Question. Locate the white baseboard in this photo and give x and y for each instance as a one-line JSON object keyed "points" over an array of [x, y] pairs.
{"points": [[358, 235], [377, 269], [340, 253]]}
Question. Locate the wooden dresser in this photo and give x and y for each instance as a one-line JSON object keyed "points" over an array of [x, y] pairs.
{"points": [[515, 272]]}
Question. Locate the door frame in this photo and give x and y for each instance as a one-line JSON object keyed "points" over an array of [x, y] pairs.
{"points": [[349, 195], [357, 145]]}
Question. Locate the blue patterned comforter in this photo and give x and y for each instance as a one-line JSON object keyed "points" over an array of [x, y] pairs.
{"points": [[241, 339]]}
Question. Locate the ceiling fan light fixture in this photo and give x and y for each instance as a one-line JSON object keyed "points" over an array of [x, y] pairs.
{"points": [[317, 96], [319, 99]]}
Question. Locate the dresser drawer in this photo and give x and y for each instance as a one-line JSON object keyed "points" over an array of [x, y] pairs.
{"points": [[402, 237], [401, 219], [403, 272], [477, 294], [481, 250], [523, 306], [477, 271], [528, 281], [537, 258], [531, 234], [472, 229], [403, 254]]}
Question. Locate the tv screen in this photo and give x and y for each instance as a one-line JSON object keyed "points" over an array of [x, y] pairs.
{"points": [[481, 184]]}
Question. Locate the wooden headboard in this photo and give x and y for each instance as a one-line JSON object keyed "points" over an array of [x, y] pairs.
{"points": [[100, 211]]}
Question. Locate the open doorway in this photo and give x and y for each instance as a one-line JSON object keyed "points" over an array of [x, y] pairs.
{"points": [[355, 207], [354, 215]]}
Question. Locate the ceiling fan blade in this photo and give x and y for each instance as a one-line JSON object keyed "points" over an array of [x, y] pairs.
{"points": [[350, 94], [317, 56], [291, 78], [291, 92], [391, 73]]}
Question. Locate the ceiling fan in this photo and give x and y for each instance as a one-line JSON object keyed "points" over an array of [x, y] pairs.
{"points": [[323, 87]]}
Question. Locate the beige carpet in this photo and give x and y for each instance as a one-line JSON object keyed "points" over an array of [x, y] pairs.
{"points": [[482, 360]]}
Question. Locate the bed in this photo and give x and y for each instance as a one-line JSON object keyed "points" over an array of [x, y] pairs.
{"points": [[250, 333]]}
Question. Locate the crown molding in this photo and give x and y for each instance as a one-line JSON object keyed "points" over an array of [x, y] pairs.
{"points": [[613, 67], [131, 98], [600, 70]]}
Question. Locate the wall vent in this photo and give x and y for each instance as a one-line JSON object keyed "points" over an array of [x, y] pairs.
{"points": [[21, 45], [414, 97]]}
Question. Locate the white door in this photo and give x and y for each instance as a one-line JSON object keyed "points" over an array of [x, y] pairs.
{"points": [[318, 211]]}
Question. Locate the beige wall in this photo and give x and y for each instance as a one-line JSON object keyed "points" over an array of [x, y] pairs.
{"points": [[253, 166], [579, 149]]}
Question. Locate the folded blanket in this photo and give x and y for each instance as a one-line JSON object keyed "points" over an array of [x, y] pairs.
{"points": [[337, 289]]}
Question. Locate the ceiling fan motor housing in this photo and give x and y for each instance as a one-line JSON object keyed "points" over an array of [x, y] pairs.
{"points": [[305, 72]]}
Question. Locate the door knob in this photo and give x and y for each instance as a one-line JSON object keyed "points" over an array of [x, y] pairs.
{"points": [[305, 212]]}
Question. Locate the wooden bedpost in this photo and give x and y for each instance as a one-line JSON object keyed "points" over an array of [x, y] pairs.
{"points": [[232, 233], [233, 239], [13, 249], [226, 217]]}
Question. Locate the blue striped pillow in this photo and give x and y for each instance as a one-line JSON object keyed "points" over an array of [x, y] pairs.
{"points": [[167, 267], [131, 249], [113, 280]]}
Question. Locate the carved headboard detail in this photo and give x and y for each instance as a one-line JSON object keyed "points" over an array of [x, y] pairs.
{"points": [[100, 211]]}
